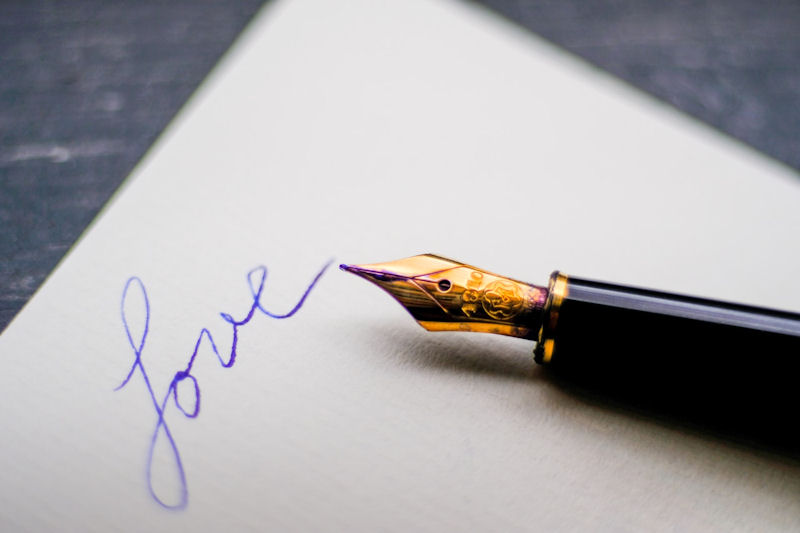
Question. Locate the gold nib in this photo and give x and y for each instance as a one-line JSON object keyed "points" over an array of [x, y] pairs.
{"points": [[445, 295]]}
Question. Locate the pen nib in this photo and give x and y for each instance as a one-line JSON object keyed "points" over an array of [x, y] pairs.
{"points": [[445, 295]]}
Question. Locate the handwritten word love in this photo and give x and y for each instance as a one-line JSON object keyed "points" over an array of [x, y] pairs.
{"points": [[256, 279]]}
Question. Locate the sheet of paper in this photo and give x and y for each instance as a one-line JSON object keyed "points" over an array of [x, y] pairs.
{"points": [[368, 131]]}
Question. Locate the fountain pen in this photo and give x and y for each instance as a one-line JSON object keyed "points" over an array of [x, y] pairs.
{"points": [[727, 368], [587, 324]]}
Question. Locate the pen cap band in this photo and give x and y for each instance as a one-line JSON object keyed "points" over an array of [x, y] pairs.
{"points": [[557, 291]]}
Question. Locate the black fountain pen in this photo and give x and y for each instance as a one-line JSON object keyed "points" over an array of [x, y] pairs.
{"points": [[729, 360]]}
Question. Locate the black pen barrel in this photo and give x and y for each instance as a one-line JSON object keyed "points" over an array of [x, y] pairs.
{"points": [[643, 326], [694, 354]]}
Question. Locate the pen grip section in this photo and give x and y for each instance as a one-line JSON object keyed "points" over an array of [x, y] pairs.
{"points": [[734, 362]]}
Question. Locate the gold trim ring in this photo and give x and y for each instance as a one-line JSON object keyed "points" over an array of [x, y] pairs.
{"points": [[557, 291]]}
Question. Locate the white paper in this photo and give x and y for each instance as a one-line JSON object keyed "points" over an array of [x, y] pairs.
{"points": [[370, 131]]}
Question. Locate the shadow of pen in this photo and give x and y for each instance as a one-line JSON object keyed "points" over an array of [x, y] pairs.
{"points": [[738, 404]]}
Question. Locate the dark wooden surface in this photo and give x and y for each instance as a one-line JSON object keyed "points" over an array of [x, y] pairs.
{"points": [[86, 86], [732, 64]]}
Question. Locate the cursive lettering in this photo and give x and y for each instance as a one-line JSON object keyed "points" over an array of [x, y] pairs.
{"points": [[256, 280]]}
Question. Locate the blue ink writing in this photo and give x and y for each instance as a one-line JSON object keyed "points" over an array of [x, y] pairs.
{"points": [[256, 279]]}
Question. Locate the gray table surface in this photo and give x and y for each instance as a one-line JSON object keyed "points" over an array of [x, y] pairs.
{"points": [[87, 86]]}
